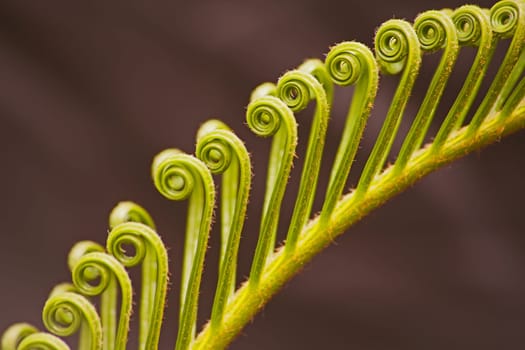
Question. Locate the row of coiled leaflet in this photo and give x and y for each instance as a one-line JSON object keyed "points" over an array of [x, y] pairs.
{"points": [[399, 46]]}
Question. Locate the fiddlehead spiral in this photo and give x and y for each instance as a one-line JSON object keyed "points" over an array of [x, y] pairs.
{"points": [[296, 89], [108, 300], [508, 19], [473, 29], [471, 24], [214, 146], [505, 17], [223, 152], [151, 252], [15, 334], [350, 63], [42, 341], [109, 272], [130, 212], [178, 176], [64, 313], [267, 116], [397, 49], [343, 62], [396, 45], [435, 31]]}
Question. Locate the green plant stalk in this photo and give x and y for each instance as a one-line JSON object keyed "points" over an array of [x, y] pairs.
{"points": [[315, 237]]}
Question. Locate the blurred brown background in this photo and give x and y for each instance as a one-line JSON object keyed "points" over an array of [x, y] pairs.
{"points": [[91, 91]]}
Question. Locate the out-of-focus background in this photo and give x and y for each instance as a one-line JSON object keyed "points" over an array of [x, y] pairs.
{"points": [[91, 91]]}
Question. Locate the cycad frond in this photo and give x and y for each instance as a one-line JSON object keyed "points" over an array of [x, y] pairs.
{"points": [[399, 50]]}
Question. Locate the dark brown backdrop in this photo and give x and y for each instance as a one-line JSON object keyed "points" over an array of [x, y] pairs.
{"points": [[91, 91]]}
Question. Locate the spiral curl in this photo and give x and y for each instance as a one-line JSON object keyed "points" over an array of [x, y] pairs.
{"points": [[187, 176], [394, 41], [79, 250], [269, 116], [297, 88], [129, 234], [436, 30], [350, 63], [129, 211], [504, 17], [171, 175], [265, 115], [431, 30], [106, 267], [214, 146], [343, 63], [151, 252], [397, 49], [294, 89], [15, 334], [471, 24], [473, 28], [42, 341], [232, 160], [63, 314], [507, 20]]}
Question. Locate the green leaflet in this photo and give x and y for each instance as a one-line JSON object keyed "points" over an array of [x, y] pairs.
{"points": [[108, 299], [110, 274], [350, 63], [508, 20], [224, 153], [151, 253], [473, 29], [397, 50], [435, 31], [178, 176], [65, 312], [154, 270], [269, 116], [296, 89]]}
